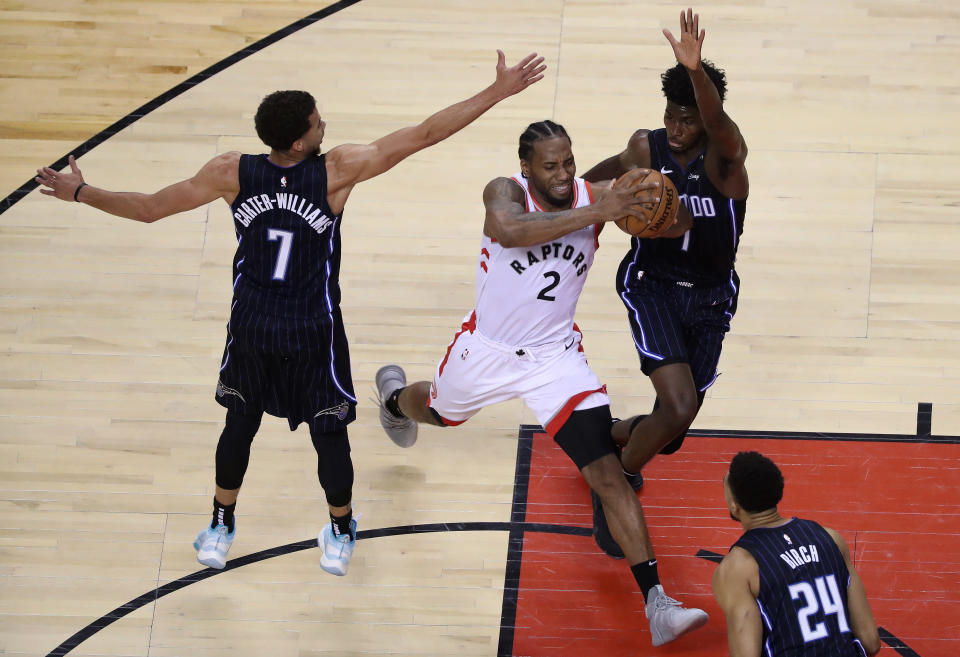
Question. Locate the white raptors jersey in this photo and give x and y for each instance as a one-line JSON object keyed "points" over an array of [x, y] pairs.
{"points": [[527, 295]]}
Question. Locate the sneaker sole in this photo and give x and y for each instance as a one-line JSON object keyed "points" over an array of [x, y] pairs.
{"points": [[211, 561], [331, 568], [696, 624]]}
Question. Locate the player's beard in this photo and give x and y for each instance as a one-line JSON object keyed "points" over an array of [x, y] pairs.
{"points": [[554, 200]]}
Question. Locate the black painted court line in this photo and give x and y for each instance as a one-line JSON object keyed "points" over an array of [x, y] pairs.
{"points": [[263, 555], [518, 513], [816, 435], [895, 643], [517, 527], [924, 418], [885, 636], [167, 96]]}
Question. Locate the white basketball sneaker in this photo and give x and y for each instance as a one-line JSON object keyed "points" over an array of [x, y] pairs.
{"points": [[337, 550], [669, 619], [401, 430], [212, 545]]}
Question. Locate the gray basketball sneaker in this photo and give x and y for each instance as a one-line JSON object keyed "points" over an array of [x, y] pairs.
{"points": [[401, 430], [669, 619]]}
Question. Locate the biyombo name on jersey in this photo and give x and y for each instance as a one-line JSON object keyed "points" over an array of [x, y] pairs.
{"points": [[248, 210]]}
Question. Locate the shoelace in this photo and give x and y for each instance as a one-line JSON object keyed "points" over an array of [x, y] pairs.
{"points": [[664, 601], [392, 420]]}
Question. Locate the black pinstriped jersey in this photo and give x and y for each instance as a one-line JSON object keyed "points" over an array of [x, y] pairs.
{"points": [[803, 591], [705, 255], [287, 263]]}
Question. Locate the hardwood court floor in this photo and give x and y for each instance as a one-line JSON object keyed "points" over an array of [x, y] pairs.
{"points": [[111, 333]]}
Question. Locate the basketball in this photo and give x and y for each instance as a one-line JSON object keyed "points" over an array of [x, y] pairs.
{"points": [[658, 217]]}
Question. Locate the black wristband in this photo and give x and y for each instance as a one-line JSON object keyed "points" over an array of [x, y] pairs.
{"points": [[76, 192]]}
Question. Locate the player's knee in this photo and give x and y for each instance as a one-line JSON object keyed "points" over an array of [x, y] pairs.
{"points": [[679, 411], [334, 465], [605, 476]]}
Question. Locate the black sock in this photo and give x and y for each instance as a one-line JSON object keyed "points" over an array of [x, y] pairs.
{"points": [[646, 575], [393, 403], [223, 515], [341, 524]]}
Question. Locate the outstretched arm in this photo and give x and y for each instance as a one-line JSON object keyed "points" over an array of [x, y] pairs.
{"points": [[732, 589], [861, 618], [350, 164], [508, 221], [721, 129], [218, 178]]}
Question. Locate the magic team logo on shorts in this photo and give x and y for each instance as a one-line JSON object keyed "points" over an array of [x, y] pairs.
{"points": [[340, 410], [224, 390]]}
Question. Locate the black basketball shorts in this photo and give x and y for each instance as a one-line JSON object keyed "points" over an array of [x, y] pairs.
{"points": [[298, 370], [680, 322]]}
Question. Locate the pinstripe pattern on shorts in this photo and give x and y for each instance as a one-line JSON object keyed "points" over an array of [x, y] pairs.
{"points": [[678, 322]]}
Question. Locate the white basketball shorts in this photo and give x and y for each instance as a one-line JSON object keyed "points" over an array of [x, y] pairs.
{"points": [[554, 379]]}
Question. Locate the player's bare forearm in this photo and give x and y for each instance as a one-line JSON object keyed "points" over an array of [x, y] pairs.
{"points": [[129, 205], [218, 178], [722, 130], [533, 228], [609, 169], [861, 617], [509, 81]]}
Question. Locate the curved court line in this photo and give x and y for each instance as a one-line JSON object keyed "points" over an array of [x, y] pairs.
{"points": [[263, 555], [167, 96]]}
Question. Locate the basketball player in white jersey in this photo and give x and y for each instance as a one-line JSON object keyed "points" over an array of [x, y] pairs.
{"points": [[539, 239]]}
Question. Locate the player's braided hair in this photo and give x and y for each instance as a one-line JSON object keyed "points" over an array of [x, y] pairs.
{"points": [[755, 481], [678, 88], [536, 132], [283, 117]]}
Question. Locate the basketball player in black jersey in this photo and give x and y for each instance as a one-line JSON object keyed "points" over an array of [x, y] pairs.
{"points": [[681, 293], [787, 587], [286, 350]]}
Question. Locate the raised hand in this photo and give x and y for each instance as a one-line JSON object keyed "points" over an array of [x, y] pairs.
{"points": [[63, 185], [516, 78], [687, 49]]}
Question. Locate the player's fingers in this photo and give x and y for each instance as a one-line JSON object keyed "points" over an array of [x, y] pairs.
{"points": [[526, 60], [46, 192]]}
